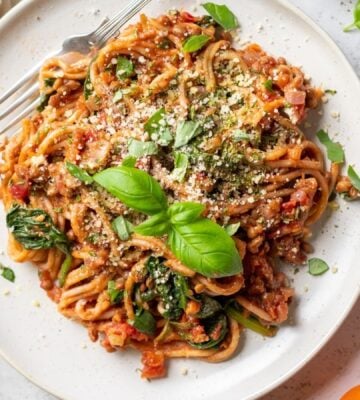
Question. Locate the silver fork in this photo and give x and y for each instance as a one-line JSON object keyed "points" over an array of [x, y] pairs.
{"points": [[82, 44]]}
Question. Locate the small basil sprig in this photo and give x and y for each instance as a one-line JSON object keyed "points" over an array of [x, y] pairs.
{"points": [[7, 273], [156, 126], [137, 148], [334, 150], [356, 23], [317, 266], [122, 227], [222, 15], [354, 177], [79, 173], [124, 68], [195, 43], [199, 243], [186, 131], [181, 164]]}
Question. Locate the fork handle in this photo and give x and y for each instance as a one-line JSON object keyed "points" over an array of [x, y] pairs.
{"points": [[27, 78]]}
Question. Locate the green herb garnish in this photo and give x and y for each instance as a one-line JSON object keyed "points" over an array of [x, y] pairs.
{"points": [[181, 164], [7, 273], [317, 266], [240, 135], [124, 68], [137, 148], [354, 177], [330, 91], [195, 43], [199, 243], [122, 227], [129, 161], [268, 84], [64, 270], [356, 23], [116, 295], [34, 229], [145, 322], [43, 102], [222, 15], [118, 95], [334, 150], [157, 128], [49, 82], [186, 131], [248, 322], [79, 173]]}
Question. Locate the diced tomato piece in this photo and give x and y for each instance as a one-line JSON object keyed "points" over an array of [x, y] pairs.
{"points": [[19, 190], [187, 17], [154, 365]]}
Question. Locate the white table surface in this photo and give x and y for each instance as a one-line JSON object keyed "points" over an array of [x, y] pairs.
{"points": [[337, 367]]}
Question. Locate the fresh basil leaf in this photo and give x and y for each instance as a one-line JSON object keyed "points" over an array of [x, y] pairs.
{"points": [[185, 212], [170, 287], [118, 95], [231, 229], [135, 188], [157, 128], [88, 86], [330, 91], [354, 177], [157, 225], [129, 161], [49, 82], [268, 84], [43, 102], [35, 229], [356, 23], [239, 135], [206, 248], [334, 150], [64, 269], [145, 322], [7, 273], [186, 131], [79, 173], [122, 227], [124, 68], [195, 43], [249, 322], [157, 120], [222, 15], [181, 164], [138, 149], [115, 294], [317, 266]]}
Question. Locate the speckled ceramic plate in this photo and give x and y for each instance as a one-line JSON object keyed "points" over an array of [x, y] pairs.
{"points": [[56, 353]]}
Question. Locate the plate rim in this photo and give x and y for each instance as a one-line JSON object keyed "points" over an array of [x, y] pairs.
{"points": [[12, 14]]}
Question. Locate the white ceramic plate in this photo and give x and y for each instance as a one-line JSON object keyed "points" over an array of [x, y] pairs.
{"points": [[56, 354]]}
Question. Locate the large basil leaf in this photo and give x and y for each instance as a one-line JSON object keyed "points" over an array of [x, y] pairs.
{"points": [[222, 15], [135, 188], [206, 248], [354, 177]]}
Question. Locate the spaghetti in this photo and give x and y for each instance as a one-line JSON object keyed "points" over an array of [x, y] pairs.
{"points": [[244, 158]]}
